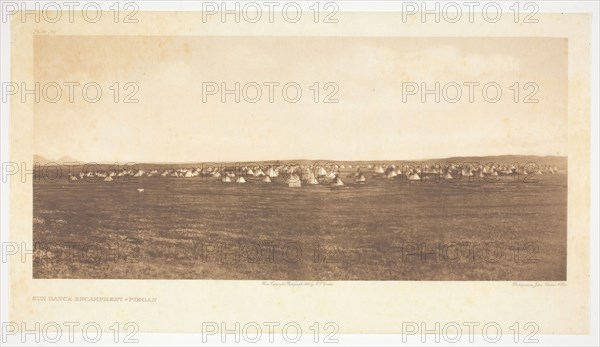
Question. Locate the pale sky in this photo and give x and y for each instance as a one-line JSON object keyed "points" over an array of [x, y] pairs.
{"points": [[171, 123]]}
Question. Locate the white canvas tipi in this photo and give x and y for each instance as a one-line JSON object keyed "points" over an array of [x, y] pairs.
{"points": [[414, 177], [272, 172], [240, 179], [360, 179], [294, 181], [311, 179], [337, 182]]}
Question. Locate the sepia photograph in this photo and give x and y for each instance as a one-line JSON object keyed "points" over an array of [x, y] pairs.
{"points": [[299, 173], [318, 159]]}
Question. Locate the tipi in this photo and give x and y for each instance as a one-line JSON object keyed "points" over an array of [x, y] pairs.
{"points": [[294, 182], [311, 179], [240, 179], [414, 177], [338, 182], [360, 179]]}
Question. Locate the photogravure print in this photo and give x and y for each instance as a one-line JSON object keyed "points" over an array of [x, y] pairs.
{"points": [[342, 162], [223, 195]]}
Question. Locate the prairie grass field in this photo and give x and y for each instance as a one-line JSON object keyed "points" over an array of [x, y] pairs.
{"points": [[201, 228]]}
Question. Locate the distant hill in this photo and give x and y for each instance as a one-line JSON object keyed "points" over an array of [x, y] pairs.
{"points": [[38, 159], [560, 162], [67, 159], [508, 159], [499, 159]]}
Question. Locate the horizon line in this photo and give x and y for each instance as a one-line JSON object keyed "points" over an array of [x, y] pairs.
{"points": [[292, 160]]}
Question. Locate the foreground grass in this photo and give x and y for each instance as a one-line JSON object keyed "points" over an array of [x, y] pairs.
{"points": [[386, 230]]}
